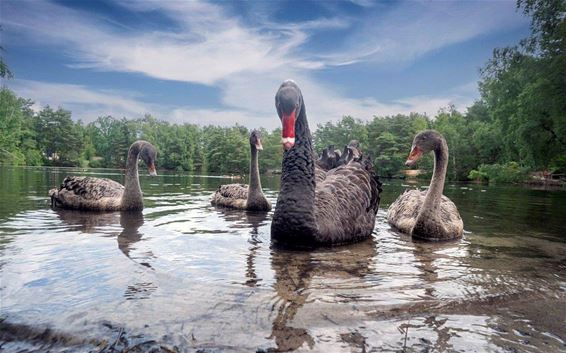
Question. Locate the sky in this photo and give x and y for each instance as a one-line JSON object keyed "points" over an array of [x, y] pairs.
{"points": [[221, 62]]}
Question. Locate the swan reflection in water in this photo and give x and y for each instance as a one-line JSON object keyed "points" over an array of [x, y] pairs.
{"points": [[253, 221], [102, 223], [294, 275], [98, 223], [306, 281], [426, 257]]}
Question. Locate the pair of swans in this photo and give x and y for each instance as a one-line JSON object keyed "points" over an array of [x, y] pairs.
{"points": [[316, 205], [101, 194], [339, 205], [332, 200]]}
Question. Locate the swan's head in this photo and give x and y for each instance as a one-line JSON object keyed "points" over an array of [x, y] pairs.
{"points": [[148, 154], [255, 139], [288, 102], [423, 143]]}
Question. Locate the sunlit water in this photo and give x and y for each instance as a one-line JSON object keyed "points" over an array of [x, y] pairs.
{"points": [[185, 276]]}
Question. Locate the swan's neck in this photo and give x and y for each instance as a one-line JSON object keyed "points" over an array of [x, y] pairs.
{"points": [[434, 193], [298, 163], [132, 197], [254, 190], [294, 213]]}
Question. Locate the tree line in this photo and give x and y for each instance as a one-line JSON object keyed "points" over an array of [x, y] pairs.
{"points": [[518, 124]]}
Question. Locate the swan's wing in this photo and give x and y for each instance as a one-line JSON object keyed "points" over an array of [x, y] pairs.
{"points": [[450, 217], [346, 203], [402, 213], [233, 191], [91, 188], [319, 174], [231, 195], [87, 193]]}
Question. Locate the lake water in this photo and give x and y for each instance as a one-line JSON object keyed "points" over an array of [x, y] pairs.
{"points": [[185, 276]]}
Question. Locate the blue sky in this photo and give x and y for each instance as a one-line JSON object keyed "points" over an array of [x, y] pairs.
{"points": [[221, 62]]}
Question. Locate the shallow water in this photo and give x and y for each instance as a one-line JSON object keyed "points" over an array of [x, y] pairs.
{"points": [[185, 276]]}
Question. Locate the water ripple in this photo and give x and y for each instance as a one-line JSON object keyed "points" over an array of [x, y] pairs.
{"points": [[211, 277]]}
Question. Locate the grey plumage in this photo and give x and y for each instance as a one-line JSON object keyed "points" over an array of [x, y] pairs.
{"points": [[231, 195], [241, 196], [317, 207], [427, 215], [101, 194]]}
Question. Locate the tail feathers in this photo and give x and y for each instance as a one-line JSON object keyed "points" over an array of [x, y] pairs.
{"points": [[329, 158], [53, 194], [375, 183]]}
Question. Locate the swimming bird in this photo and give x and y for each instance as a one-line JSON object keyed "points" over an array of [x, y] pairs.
{"points": [[428, 214], [245, 197], [340, 207], [101, 194]]}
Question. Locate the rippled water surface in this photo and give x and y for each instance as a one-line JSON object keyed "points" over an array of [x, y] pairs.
{"points": [[185, 276]]}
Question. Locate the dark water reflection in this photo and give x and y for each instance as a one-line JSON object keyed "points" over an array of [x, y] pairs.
{"points": [[184, 276]]}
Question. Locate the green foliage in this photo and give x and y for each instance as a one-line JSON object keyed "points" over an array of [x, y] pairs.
{"points": [[226, 150], [17, 140], [50, 137], [524, 88], [271, 156], [390, 139], [456, 130], [558, 164], [58, 137], [4, 70], [510, 172], [478, 175], [340, 134]]}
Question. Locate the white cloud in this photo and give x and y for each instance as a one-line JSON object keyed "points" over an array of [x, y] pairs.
{"points": [[85, 103], [363, 3], [322, 105], [206, 45], [411, 30]]}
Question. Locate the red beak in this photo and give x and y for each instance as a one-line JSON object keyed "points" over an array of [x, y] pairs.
{"points": [[415, 155], [288, 133]]}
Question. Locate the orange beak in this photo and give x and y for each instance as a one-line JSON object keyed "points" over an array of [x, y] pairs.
{"points": [[151, 170], [415, 155]]}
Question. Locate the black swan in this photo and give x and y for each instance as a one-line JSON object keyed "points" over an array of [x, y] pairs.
{"points": [[428, 214], [242, 196], [339, 208], [101, 194], [331, 158]]}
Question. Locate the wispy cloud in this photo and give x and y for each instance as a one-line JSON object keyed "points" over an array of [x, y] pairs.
{"points": [[404, 33], [85, 103], [88, 104], [208, 46]]}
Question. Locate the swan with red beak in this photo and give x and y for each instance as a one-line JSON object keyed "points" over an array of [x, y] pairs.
{"points": [[288, 103]]}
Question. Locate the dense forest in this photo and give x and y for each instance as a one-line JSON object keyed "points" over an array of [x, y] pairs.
{"points": [[518, 125]]}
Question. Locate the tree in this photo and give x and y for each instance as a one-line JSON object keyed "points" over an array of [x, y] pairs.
{"points": [[524, 88], [58, 137], [341, 133], [4, 70], [390, 139]]}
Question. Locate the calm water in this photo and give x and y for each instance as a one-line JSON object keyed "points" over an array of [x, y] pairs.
{"points": [[184, 276]]}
